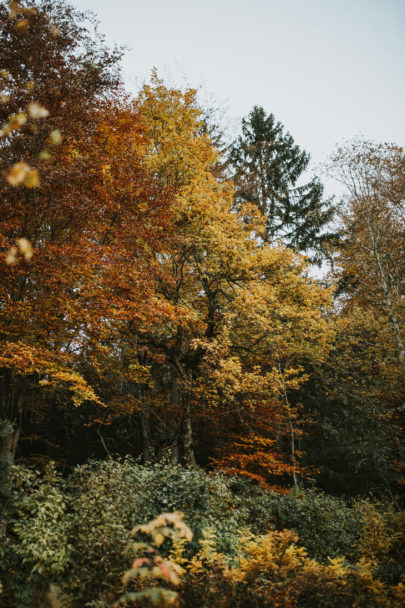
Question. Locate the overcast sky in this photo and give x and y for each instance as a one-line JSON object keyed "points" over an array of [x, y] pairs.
{"points": [[327, 69]]}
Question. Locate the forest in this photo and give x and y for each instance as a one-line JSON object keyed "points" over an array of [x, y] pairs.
{"points": [[202, 358]]}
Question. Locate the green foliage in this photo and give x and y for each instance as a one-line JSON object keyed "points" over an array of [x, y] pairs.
{"points": [[354, 400], [75, 533], [37, 548], [266, 166], [382, 539], [325, 525], [329, 527], [6, 428], [42, 526]]}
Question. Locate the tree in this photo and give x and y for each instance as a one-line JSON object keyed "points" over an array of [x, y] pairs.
{"points": [[372, 259], [266, 166], [238, 313], [136, 285], [353, 399], [52, 67], [357, 394]]}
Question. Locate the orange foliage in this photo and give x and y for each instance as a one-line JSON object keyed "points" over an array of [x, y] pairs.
{"points": [[143, 281]]}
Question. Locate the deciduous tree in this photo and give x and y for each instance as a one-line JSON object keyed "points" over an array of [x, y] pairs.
{"points": [[242, 311], [53, 69], [373, 256]]}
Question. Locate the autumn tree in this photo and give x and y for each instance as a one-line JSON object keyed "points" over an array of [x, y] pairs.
{"points": [[356, 396], [54, 74], [129, 278], [241, 312], [267, 166], [353, 400], [136, 228], [372, 258]]}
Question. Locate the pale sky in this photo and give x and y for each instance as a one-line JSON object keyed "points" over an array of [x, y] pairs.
{"points": [[327, 69]]}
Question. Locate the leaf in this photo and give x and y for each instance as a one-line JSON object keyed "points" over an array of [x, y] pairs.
{"points": [[158, 539], [55, 137], [32, 179], [37, 111], [25, 248], [17, 174], [11, 256]]}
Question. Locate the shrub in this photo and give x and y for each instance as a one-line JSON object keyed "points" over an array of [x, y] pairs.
{"points": [[74, 533], [325, 525], [37, 546], [273, 570]]}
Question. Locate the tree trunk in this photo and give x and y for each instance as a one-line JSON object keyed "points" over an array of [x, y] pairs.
{"points": [[147, 447], [183, 392], [9, 444], [388, 303], [186, 434], [14, 390]]}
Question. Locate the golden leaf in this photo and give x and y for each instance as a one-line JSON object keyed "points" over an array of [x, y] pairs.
{"points": [[17, 121], [55, 31], [25, 248], [37, 111], [45, 155], [14, 6], [159, 539], [11, 256], [17, 174], [32, 179], [30, 85], [55, 137], [22, 25]]}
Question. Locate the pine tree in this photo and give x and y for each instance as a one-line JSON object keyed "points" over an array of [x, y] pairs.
{"points": [[266, 166]]}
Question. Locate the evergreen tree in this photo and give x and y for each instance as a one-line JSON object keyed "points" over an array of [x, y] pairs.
{"points": [[266, 166]]}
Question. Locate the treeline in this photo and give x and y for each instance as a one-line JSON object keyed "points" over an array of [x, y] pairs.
{"points": [[155, 294]]}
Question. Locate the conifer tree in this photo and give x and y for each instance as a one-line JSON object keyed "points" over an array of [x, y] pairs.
{"points": [[266, 166]]}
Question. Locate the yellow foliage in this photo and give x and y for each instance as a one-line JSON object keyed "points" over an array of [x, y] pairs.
{"points": [[271, 570], [28, 361]]}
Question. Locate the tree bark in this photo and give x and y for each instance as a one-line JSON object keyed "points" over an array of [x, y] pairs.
{"points": [[186, 433], [9, 444], [14, 390], [147, 447], [388, 304]]}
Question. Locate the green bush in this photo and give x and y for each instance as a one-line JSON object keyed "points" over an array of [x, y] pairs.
{"points": [[74, 532], [325, 525], [37, 548]]}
